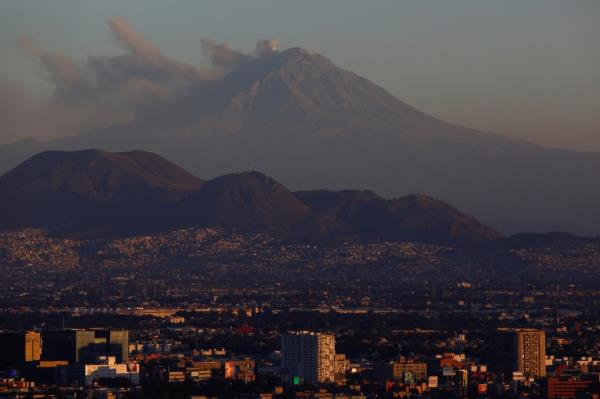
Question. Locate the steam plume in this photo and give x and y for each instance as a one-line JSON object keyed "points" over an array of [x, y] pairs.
{"points": [[266, 47], [100, 90]]}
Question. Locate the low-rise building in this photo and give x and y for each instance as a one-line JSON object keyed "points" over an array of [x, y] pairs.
{"points": [[111, 370], [409, 371]]}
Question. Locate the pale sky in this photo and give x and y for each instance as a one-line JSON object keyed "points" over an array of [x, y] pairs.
{"points": [[524, 68]]}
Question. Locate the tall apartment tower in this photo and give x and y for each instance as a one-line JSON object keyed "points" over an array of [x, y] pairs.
{"points": [[84, 346], [17, 349], [308, 358], [522, 350]]}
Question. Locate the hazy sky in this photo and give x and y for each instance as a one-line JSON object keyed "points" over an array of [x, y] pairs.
{"points": [[524, 68]]}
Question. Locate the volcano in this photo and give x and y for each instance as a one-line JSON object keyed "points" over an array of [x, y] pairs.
{"points": [[307, 123]]}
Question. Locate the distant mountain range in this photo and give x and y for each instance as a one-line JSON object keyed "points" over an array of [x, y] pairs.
{"points": [[98, 193], [310, 124]]}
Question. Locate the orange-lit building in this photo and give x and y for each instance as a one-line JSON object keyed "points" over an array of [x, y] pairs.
{"points": [[17, 349], [569, 387], [240, 370]]}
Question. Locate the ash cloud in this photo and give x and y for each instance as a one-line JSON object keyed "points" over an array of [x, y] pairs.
{"points": [[23, 116], [60, 69], [102, 90], [147, 57], [141, 72], [223, 56]]}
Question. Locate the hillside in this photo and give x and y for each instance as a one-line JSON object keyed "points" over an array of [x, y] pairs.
{"points": [[92, 189], [246, 201]]}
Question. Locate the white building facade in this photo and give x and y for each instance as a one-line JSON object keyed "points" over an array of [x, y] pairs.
{"points": [[111, 369]]}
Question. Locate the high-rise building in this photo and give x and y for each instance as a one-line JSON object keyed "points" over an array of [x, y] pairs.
{"points": [[85, 346], [16, 349], [522, 350], [117, 342], [308, 358], [33, 346], [70, 345]]}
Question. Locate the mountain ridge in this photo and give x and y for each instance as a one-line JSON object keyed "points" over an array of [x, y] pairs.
{"points": [[96, 193]]}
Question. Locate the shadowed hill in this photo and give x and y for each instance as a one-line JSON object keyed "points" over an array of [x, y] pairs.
{"points": [[415, 217], [93, 189], [101, 176], [246, 201]]}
